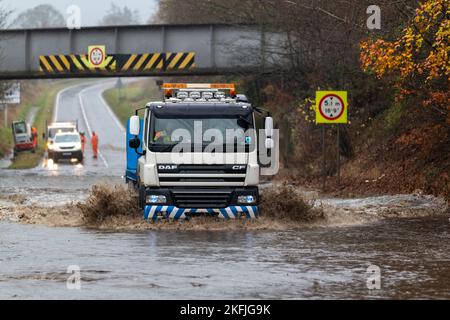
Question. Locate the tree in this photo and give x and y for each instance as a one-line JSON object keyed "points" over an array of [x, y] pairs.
{"points": [[4, 14], [41, 16], [120, 16], [321, 50], [417, 61], [322, 35]]}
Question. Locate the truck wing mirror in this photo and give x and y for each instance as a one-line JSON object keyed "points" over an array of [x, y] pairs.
{"points": [[268, 126], [134, 143], [134, 125], [269, 143]]}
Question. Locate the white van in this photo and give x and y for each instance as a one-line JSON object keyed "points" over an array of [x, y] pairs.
{"points": [[65, 145]]}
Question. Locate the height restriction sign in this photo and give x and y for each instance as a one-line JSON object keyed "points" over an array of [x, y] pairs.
{"points": [[97, 56], [331, 107]]}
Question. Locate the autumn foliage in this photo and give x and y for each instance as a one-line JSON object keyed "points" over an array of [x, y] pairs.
{"points": [[418, 60], [423, 48]]}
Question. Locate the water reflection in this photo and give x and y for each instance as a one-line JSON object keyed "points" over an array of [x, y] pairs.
{"points": [[311, 263]]}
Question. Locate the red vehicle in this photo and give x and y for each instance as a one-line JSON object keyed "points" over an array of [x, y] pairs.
{"points": [[25, 137]]}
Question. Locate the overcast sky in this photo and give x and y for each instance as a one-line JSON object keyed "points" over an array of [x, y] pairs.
{"points": [[91, 10]]}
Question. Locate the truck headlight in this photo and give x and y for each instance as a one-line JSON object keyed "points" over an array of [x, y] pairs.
{"points": [[155, 199], [246, 199]]}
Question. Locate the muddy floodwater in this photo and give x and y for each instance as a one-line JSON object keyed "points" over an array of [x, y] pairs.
{"points": [[329, 261], [412, 254]]}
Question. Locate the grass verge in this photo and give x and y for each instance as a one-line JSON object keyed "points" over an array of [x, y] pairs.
{"points": [[5, 140]]}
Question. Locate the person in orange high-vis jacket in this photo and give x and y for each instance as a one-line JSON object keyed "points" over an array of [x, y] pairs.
{"points": [[34, 137], [94, 142], [83, 141]]}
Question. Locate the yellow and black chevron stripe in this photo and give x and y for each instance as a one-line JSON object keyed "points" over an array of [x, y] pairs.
{"points": [[156, 61], [72, 63], [81, 63], [118, 62], [54, 63]]}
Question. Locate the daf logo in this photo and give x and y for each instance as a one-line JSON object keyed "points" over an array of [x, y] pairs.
{"points": [[167, 167], [238, 167]]}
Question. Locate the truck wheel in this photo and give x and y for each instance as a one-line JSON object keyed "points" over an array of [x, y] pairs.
{"points": [[33, 150]]}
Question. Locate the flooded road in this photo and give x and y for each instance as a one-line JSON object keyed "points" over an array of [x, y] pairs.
{"points": [[412, 255], [58, 183], [406, 236]]}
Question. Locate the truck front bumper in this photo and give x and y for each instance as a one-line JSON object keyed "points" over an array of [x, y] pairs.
{"points": [[153, 212], [185, 202]]}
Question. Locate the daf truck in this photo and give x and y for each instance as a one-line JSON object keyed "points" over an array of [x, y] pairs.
{"points": [[196, 152]]}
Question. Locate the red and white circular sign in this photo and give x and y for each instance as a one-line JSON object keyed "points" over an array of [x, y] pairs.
{"points": [[331, 107], [96, 56]]}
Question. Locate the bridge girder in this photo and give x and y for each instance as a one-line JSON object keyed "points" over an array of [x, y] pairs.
{"points": [[213, 48]]}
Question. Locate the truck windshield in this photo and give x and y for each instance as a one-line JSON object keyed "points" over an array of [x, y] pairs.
{"points": [[168, 132], [67, 138]]}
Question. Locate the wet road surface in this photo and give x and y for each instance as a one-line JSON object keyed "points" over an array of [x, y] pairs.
{"points": [[52, 184], [86, 104], [312, 263]]}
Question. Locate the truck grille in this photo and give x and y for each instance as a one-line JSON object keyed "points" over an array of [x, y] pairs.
{"points": [[201, 168], [186, 178], [201, 198], [185, 174]]}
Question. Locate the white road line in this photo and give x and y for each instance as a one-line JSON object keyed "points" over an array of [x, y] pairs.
{"points": [[83, 112], [107, 106], [56, 108]]}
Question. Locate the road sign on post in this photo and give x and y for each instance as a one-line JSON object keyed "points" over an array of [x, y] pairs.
{"points": [[11, 94], [331, 108]]}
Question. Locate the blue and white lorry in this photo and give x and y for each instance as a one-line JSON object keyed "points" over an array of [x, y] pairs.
{"points": [[197, 152]]}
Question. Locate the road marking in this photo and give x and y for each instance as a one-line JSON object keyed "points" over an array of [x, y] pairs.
{"points": [[83, 112], [56, 108], [108, 108]]}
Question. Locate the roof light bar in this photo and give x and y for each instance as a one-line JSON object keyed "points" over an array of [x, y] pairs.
{"points": [[221, 86], [200, 91]]}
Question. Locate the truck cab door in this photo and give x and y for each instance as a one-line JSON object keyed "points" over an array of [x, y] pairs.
{"points": [[132, 156]]}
